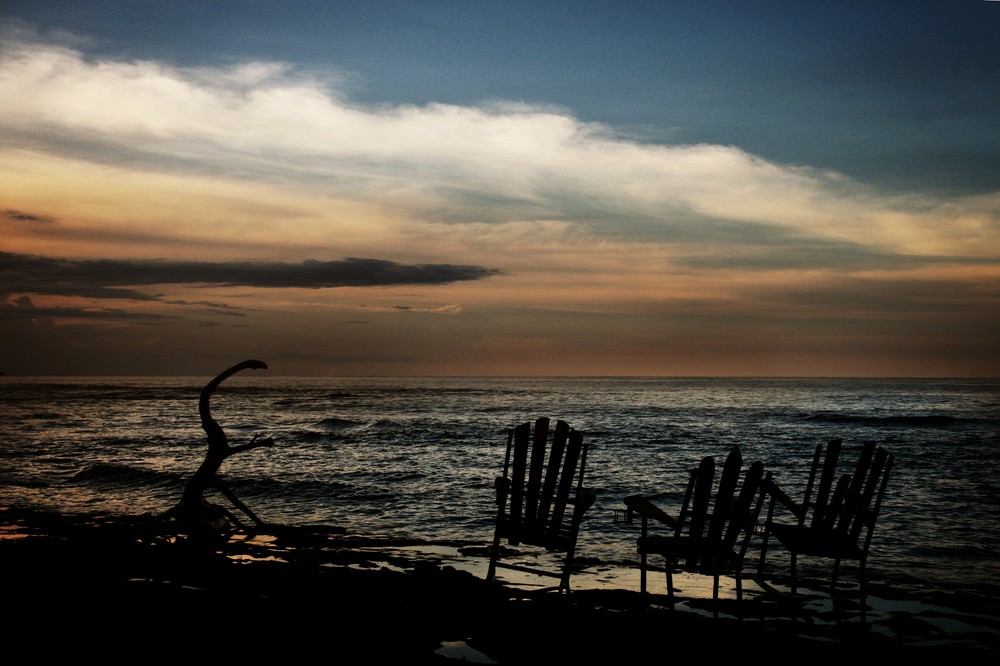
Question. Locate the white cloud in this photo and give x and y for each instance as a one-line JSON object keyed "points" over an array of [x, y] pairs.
{"points": [[265, 122]]}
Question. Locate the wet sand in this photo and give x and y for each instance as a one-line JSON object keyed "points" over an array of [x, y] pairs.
{"points": [[121, 587]]}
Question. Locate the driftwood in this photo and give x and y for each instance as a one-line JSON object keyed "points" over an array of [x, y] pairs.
{"points": [[201, 518]]}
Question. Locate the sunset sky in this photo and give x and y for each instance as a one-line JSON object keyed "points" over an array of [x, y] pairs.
{"points": [[500, 188]]}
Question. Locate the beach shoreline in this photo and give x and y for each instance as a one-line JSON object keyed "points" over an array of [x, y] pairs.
{"points": [[104, 585]]}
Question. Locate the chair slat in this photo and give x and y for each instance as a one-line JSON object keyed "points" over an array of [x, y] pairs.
{"points": [[566, 478], [827, 474], [873, 476], [538, 442], [552, 469], [724, 497], [517, 477], [699, 508], [747, 506]]}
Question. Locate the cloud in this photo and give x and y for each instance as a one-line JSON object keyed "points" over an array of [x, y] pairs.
{"points": [[19, 216], [149, 186], [23, 309], [264, 122], [443, 309], [107, 278]]}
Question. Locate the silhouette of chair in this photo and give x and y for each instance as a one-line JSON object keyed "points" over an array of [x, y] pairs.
{"points": [[836, 519], [540, 498], [712, 532]]}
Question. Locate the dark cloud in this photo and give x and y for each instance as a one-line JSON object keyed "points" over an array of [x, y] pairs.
{"points": [[112, 278], [20, 216], [23, 309], [211, 305]]}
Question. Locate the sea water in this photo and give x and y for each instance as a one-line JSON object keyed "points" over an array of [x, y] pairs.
{"points": [[416, 457]]}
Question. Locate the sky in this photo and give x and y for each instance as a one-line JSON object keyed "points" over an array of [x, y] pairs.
{"points": [[473, 188]]}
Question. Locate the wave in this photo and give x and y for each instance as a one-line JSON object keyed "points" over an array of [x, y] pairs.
{"points": [[333, 423], [308, 398], [124, 476], [959, 552], [929, 420]]}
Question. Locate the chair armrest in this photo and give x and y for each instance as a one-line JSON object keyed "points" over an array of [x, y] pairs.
{"points": [[502, 486], [779, 496], [647, 509], [583, 501]]}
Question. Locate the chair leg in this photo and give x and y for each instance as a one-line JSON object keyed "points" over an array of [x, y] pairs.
{"points": [[739, 595], [567, 570], [795, 575], [833, 582], [642, 573], [715, 596], [763, 552], [862, 592], [494, 554], [670, 585]]}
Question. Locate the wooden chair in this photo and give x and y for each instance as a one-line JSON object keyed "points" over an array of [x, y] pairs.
{"points": [[711, 534], [837, 515], [540, 498]]}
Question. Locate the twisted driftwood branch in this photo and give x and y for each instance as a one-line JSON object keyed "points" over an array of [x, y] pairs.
{"points": [[202, 518]]}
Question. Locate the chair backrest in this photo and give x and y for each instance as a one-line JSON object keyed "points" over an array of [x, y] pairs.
{"points": [[825, 467], [544, 477], [862, 498], [856, 498], [721, 519]]}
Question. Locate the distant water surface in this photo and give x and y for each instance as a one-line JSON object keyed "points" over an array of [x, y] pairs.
{"points": [[417, 457]]}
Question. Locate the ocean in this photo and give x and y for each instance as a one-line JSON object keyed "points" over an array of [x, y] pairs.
{"points": [[416, 457]]}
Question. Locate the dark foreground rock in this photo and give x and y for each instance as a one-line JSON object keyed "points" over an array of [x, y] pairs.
{"points": [[118, 587]]}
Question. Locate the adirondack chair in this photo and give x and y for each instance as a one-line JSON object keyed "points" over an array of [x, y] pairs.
{"points": [[712, 532], [836, 518], [541, 499]]}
